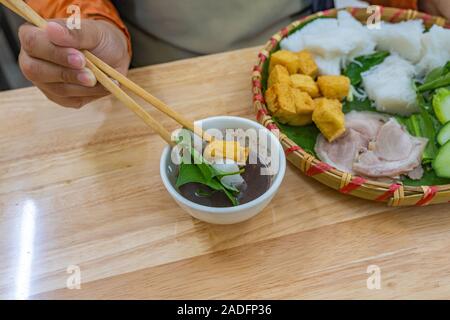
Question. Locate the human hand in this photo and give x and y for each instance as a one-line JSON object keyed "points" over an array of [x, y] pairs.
{"points": [[436, 7], [53, 61]]}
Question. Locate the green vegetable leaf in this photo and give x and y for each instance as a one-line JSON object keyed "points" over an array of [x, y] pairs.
{"points": [[429, 179], [191, 173], [230, 196], [357, 105], [424, 125], [437, 78], [363, 64], [440, 82], [305, 136], [202, 172]]}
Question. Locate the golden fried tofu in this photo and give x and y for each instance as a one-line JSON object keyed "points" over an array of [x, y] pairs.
{"points": [[288, 59], [329, 118], [306, 84], [220, 149], [290, 105], [279, 96], [307, 64], [304, 107], [334, 87], [304, 104], [279, 74]]}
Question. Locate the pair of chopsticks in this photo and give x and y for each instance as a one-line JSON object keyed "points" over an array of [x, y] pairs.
{"points": [[103, 72]]}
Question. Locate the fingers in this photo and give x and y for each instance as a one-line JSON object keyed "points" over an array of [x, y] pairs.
{"points": [[36, 44], [71, 96], [75, 103], [42, 71], [72, 90], [88, 37]]}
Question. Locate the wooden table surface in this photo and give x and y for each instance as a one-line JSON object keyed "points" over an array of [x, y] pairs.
{"points": [[80, 195]]}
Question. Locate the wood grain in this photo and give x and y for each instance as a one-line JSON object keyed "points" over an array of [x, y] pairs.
{"points": [[81, 187]]}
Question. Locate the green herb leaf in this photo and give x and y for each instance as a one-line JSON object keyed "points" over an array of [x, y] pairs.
{"points": [[358, 105], [363, 64], [437, 78], [429, 179], [305, 136], [202, 172], [191, 173]]}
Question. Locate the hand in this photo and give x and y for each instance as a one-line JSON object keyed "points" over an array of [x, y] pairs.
{"points": [[52, 59], [436, 7]]}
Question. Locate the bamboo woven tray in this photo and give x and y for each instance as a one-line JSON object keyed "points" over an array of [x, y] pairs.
{"points": [[392, 194]]}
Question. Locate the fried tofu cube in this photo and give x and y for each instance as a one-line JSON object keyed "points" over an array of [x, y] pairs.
{"points": [[288, 59], [329, 118], [306, 84], [279, 74], [304, 104], [307, 64], [304, 107], [334, 87], [279, 96], [220, 150], [290, 105]]}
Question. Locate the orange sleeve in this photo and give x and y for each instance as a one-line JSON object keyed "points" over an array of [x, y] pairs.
{"points": [[404, 4], [90, 9]]}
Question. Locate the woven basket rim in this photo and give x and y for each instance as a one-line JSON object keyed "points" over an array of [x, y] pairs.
{"points": [[307, 160]]}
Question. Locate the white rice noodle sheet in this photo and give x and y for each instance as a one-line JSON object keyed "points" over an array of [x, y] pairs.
{"points": [[435, 50], [403, 38], [328, 66], [363, 42], [333, 42], [390, 86]]}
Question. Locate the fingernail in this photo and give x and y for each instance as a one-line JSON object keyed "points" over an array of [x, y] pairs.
{"points": [[87, 78], [76, 61]]}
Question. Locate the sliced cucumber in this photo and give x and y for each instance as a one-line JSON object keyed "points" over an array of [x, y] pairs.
{"points": [[441, 105], [442, 162], [444, 135]]}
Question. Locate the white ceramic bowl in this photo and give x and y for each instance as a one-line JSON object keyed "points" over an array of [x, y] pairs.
{"points": [[227, 215]]}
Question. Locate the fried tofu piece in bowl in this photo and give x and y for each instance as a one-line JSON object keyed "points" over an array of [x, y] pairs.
{"points": [[329, 118], [334, 87], [221, 150]]}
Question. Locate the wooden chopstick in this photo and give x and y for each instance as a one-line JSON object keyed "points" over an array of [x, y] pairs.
{"points": [[13, 9], [129, 102], [138, 90], [31, 16], [98, 67]]}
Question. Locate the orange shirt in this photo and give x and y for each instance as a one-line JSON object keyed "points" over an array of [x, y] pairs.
{"points": [[104, 9]]}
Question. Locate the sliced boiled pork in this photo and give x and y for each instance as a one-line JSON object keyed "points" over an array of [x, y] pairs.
{"points": [[395, 152], [374, 146]]}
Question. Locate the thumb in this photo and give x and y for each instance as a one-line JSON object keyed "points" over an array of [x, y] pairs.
{"points": [[88, 37]]}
